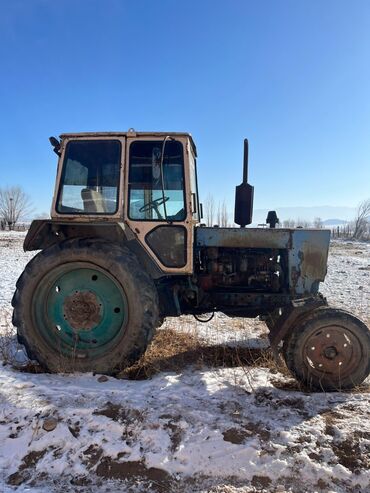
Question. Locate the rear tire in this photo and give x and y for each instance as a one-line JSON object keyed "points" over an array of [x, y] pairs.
{"points": [[328, 350], [85, 305]]}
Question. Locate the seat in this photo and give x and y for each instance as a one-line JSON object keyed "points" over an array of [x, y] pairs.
{"points": [[93, 201]]}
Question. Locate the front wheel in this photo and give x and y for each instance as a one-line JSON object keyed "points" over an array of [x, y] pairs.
{"points": [[328, 350], [85, 305]]}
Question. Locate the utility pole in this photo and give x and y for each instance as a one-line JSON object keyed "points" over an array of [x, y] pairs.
{"points": [[11, 215]]}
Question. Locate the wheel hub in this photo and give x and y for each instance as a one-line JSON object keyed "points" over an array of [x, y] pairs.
{"points": [[332, 350], [82, 310]]}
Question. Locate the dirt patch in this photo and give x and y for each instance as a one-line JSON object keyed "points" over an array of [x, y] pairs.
{"points": [[130, 419], [292, 402], [350, 454], [17, 478], [362, 434], [92, 455], [261, 482], [331, 417], [235, 435], [322, 485], [257, 429], [120, 414], [314, 456], [265, 397], [287, 385], [80, 481], [110, 469], [111, 411], [175, 432], [29, 461], [75, 429]]}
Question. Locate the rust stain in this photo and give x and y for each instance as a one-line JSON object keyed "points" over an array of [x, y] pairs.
{"points": [[313, 265], [294, 276]]}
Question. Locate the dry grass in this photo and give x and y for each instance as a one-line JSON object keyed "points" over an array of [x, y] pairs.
{"points": [[7, 335], [173, 350]]}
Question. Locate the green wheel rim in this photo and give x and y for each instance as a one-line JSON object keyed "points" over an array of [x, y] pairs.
{"points": [[80, 310]]}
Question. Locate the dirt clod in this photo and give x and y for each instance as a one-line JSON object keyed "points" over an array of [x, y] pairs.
{"points": [[16, 479], [103, 378], [235, 435], [261, 482]]}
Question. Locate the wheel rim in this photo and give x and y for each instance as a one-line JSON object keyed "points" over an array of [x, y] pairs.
{"points": [[334, 351], [80, 310]]}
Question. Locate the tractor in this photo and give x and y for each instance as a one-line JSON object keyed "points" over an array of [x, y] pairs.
{"points": [[125, 248]]}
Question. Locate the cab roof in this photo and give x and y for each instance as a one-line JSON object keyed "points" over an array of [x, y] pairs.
{"points": [[130, 133]]}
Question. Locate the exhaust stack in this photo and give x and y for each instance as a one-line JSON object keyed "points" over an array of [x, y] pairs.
{"points": [[244, 195]]}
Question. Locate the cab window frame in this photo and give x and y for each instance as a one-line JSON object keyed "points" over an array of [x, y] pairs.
{"points": [[129, 186], [63, 171]]}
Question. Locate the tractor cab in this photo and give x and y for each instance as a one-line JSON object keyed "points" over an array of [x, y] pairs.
{"points": [[145, 181]]}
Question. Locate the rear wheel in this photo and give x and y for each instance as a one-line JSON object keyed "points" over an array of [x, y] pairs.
{"points": [[85, 305], [328, 350]]}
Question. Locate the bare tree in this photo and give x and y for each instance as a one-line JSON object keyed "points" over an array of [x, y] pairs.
{"points": [[222, 215], [317, 223], [361, 223], [289, 223], [302, 223], [15, 204], [224, 223], [209, 210]]}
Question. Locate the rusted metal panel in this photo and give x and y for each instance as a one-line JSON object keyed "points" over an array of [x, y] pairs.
{"points": [[307, 250], [308, 260], [130, 133], [243, 237]]}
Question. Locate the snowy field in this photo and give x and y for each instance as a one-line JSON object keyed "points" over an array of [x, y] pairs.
{"points": [[220, 428]]}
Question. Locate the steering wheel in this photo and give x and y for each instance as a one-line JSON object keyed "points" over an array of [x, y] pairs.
{"points": [[154, 204]]}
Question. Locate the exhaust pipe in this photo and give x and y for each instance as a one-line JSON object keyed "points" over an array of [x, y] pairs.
{"points": [[244, 195]]}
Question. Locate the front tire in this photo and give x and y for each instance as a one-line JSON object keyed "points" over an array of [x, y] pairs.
{"points": [[328, 350], [85, 305]]}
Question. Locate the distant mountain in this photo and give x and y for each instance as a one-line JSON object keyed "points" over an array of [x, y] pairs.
{"points": [[325, 212], [334, 222]]}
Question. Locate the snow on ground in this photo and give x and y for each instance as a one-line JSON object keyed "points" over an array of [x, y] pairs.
{"points": [[348, 280], [12, 262], [200, 429]]}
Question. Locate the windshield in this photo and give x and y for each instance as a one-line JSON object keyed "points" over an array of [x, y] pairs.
{"points": [[90, 177], [147, 200]]}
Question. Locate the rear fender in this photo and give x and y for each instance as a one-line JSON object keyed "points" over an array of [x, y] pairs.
{"points": [[45, 233]]}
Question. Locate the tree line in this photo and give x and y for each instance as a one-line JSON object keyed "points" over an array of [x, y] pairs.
{"points": [[15, 206], [216, 213]]}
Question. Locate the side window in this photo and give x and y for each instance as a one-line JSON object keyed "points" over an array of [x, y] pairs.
{"points": [[156, 182], [90, 177]]}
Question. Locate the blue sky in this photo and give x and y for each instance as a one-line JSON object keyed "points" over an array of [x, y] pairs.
{"points": [[292, 76]]}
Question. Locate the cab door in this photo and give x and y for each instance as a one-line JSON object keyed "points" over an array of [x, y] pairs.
{"points": [[159, 207]]}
